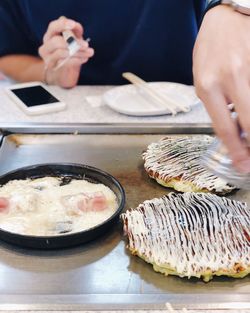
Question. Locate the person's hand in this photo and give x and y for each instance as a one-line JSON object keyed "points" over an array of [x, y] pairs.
{"points": [[54, 50], [221, 68]]}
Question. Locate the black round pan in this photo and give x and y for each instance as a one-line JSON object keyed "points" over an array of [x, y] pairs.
{"points": [[68, 172]]}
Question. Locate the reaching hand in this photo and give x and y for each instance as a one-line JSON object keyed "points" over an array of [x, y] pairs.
{"points": [[55, 50], [221, 68]]}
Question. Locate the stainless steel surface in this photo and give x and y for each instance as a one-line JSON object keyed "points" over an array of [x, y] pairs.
{"points": [[100, 274], [107, 128]]}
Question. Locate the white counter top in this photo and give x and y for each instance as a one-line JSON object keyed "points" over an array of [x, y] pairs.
{"points": [[80, 111]]}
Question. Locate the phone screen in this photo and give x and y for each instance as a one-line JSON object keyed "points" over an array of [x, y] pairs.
{"points": [[33, 96]]}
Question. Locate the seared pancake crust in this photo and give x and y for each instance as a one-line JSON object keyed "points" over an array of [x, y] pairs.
{"points": [[175, 162]]}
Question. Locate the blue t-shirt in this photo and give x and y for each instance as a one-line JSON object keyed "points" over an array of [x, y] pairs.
{"points": [[151, 38]]}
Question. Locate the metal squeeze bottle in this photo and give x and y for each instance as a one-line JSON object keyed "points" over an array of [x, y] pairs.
{"points": [[219, 163]]}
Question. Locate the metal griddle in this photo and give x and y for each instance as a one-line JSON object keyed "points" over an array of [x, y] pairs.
{"points": [[100, 274]]}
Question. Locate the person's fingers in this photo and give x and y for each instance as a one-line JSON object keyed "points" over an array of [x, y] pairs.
{"points": [[83, 43], [79, 60], [58, 26], [78, 30], [56, 42], [225, 127], [51, 60], [55, 57], [86, 52], [240, 97], [61, 54]]}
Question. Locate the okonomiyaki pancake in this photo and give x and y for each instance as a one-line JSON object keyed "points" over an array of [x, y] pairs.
{"points": [[191, 235], [175, 163]]}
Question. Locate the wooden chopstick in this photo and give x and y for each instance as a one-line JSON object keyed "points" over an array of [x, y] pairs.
{"points": [[163, 100]]}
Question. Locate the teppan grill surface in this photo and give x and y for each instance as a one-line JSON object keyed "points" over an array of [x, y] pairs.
{"points": [[101, 274]]}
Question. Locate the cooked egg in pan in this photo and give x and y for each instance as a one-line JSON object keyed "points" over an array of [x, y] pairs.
{"points": [[48, 207]]}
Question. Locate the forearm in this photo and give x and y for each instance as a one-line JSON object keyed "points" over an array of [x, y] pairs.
{"points": [[22, 68], [209, 5], [221, 75]]}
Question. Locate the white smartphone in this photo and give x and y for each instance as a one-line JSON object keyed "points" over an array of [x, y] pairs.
{"points": [[34, 99]]}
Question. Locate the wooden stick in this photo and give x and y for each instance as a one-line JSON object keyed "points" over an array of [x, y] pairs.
{"points": [[161, 99]]}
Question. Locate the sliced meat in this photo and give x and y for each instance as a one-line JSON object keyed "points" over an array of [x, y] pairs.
{"points": [[84, 202], [98, 202], [4, 204]]}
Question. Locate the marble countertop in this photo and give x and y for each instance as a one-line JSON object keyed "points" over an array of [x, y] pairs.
{"points": [[79, 110]]}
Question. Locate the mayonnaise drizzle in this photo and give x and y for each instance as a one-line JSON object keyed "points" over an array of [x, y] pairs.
{"points": [[179, 158], [190, 233]]}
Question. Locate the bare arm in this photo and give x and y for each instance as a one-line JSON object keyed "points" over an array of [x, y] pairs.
{"points": [[22, 68], [221, 70]]}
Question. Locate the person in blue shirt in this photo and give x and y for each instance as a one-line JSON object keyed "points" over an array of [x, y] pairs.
{"points": [[153, 39]]}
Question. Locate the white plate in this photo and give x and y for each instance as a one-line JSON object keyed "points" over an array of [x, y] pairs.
{"points": [[130, 100]]}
